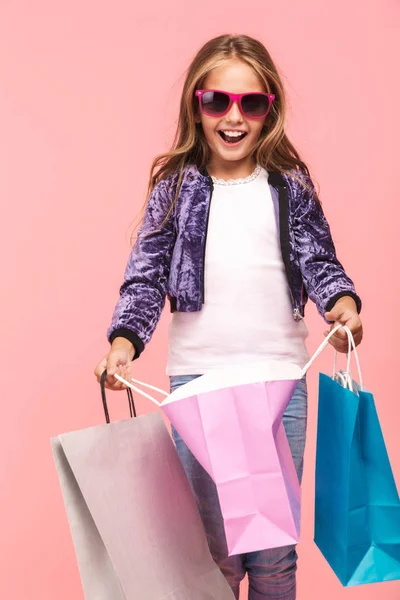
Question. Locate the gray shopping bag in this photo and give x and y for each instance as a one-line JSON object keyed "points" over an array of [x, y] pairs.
{"points": [[135, 526]]}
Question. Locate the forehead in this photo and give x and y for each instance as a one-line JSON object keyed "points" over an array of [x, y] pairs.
{"points": [[234, 76]]}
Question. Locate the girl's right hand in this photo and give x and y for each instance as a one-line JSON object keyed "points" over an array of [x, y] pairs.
{"points": [[118, 360]]}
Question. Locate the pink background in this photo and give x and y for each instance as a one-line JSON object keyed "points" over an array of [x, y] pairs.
{"points": [[75, 150]]}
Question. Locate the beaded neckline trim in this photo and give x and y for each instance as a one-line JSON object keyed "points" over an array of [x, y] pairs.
{"points": [[247, 179]]}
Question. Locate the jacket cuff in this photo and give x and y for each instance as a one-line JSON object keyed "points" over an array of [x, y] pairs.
{"points": [[332, 301], [131, 336]]}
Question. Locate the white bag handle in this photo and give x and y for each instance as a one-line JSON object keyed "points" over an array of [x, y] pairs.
{"points": [[141, 392], [320, 349], [346, 377]]}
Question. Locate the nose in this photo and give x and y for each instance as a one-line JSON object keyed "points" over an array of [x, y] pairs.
{"points": [[234, 115]]}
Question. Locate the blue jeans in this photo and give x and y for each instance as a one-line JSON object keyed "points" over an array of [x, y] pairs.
{"points": [[271, 573]]}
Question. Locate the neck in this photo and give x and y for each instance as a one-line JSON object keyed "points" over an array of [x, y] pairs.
{"points": [[231, 169]]}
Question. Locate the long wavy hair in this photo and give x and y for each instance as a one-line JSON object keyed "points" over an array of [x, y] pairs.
{"points": [[273, 150]]}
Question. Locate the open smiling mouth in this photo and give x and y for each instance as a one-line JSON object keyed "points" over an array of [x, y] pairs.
{"points": [[233, 137]]}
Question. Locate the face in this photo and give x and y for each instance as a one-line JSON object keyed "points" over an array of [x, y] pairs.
{"points": [[236, 77]]}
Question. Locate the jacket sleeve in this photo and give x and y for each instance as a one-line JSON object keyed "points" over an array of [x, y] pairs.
{"points": [[143, 292], [323, 275]]}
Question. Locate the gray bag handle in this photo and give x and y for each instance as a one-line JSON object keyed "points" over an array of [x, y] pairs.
{"points": [[131, 402]]}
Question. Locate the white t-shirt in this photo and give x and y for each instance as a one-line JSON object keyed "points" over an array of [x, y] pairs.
{"points": [[247, 312]]}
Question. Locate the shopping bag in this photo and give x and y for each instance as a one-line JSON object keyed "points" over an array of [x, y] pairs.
{"points": [[135, 525], [231, 419], [357, 507]]}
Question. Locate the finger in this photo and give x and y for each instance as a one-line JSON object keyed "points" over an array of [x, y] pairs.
{"points": [[336, 317], [339, 344], [340, 339], [340, 334], [358, 338], [127, 372], [354, 322], [115, 386], [118, 385], [97, 374], [356, 331], [330, 316], [100, 368], [122, 372], [114, 364], [341, 347], [110, 386]]}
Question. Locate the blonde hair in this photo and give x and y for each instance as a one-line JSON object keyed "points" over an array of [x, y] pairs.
{"points": [[273, 151]]}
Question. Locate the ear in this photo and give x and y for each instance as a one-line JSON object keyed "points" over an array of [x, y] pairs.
{"points": [[197, 118]]}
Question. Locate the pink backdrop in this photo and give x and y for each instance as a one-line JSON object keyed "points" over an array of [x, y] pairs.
{"points": [[75, 150]]}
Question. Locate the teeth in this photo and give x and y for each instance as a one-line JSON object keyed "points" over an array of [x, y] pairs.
{"points": [[233, 133]]}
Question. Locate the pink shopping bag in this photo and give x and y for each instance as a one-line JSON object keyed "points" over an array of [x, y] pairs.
{"points": [[231, 419], [232, 422]]}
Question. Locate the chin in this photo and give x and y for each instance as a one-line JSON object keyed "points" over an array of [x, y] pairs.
{"points": [[232, 156]]}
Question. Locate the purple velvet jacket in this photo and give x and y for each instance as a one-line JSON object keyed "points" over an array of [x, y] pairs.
{"points": [[168, 261]]}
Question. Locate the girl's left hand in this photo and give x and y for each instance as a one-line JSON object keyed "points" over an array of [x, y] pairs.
{"points": [[344, 312]]}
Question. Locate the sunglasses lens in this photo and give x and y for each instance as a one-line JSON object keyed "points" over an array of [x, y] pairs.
{"points": [[255, 105], [214, 103]]}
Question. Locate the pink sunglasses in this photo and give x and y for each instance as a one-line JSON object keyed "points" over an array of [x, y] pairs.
{"points": [[254, 105]]}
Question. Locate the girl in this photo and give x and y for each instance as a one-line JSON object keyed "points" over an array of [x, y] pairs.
{"points": [[234, 235]]}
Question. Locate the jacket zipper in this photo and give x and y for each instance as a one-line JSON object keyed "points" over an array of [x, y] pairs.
{"points": [[296, 311], [205, 237], [284, 239]]}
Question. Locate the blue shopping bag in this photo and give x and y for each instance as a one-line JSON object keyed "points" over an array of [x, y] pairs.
{"points": [[357, 506]]}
